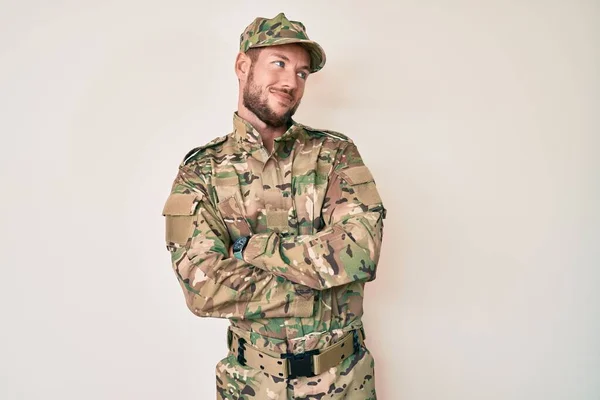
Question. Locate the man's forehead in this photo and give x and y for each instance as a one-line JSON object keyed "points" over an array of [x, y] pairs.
{"points": [[290, 51]]}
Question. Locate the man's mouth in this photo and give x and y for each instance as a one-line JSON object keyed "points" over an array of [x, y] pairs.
{"points": [[286, 98]]}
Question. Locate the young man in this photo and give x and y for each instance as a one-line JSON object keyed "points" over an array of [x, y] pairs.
{"points": [[278, 226]]}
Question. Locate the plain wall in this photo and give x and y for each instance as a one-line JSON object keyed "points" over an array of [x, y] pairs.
{"points": [[479, 120]]}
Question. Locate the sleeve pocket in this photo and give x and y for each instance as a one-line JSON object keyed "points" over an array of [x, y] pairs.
{"points": [[180, 212], [362, 182]]}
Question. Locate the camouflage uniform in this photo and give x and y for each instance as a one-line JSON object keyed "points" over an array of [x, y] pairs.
{"points": [[315, 219]]}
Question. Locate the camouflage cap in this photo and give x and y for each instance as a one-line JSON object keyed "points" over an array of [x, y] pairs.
{"points": [[263, 32]]}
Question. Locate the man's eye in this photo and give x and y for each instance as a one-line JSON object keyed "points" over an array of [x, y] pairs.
{"points": [[303, 75], [279, 63]]}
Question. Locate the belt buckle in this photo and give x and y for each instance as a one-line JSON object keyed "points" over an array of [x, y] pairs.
{"points": [[301, 364], [241, 350], [355, 341]]}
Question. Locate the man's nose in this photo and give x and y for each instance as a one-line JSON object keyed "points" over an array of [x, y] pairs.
{"points": [[289, 79]]}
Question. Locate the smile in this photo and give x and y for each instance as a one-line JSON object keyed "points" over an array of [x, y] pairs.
{"points": [[286, 98]]}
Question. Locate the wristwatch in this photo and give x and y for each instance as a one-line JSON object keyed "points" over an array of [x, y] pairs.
{"points": [[239, 245]]}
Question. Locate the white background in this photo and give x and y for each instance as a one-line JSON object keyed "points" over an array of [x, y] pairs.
{"points": [[479, 120]]}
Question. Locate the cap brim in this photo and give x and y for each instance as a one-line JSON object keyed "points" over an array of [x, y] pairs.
{"points": [[315, 51]]}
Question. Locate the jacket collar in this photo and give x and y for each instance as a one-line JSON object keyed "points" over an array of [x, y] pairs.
{"points": [[246, 134]]}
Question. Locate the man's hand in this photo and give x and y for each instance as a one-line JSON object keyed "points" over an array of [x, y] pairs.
{"points": [[231, 252]]}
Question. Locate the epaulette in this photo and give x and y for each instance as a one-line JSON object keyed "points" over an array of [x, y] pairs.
{"points": [[194, 152], [324, 132]]}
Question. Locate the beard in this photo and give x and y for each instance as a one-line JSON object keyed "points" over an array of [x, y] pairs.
{"points": [[256, 100]]}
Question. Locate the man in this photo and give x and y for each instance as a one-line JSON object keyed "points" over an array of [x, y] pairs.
{"points": [[278, 226]]}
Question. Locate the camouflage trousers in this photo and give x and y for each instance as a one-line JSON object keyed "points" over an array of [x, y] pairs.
{"points": [[352, 379]]}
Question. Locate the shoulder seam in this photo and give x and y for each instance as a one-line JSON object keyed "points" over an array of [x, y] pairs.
{"points": [[330, 133], [192, 153]]}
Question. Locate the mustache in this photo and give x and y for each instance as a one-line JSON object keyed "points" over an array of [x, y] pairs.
{"points": [[289, 92]]}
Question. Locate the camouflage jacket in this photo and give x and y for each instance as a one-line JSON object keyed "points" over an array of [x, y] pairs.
{"points": [[315, 219]]}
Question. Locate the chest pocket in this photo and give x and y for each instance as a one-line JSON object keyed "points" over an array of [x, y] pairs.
{"points": [[231, 206]]}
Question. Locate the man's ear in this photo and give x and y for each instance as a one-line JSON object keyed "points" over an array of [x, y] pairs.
{"points": [[242, 66]]}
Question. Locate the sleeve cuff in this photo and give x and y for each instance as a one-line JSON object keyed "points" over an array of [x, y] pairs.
{"points": [[257, 245]]}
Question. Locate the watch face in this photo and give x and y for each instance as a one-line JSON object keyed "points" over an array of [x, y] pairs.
{"points": [[239, 243]]}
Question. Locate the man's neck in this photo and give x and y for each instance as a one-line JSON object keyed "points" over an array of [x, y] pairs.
{"points": [[267, 133]]}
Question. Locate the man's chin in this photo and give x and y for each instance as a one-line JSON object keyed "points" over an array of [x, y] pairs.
{"points": [[282, 113], [277, 121], [274, 115], [280, 108]]}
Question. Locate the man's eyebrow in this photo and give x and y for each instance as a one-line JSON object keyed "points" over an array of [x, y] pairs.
{"points": [[285, 58], [282, 56]]}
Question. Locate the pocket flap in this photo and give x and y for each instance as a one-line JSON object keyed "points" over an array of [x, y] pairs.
{"points": [[233, 216], [182, 204], [356, 175]]}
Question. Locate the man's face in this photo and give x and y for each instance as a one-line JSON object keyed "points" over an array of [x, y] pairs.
{"points": [[276, 82]]}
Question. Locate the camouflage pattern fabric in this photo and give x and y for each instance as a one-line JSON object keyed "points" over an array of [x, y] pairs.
{"points": [[316, 222], [279, 30]]}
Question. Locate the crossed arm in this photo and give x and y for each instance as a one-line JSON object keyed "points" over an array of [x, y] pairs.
{"points": [[278, 276], [347, 249], [215, 284]]}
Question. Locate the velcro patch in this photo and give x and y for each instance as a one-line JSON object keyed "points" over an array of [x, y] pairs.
{"points": [[182, 204], [356, 175], [277, 219], [226, 180]]}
